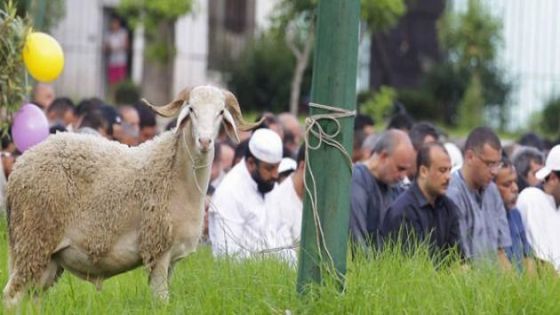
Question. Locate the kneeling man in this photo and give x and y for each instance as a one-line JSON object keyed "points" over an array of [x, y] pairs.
{"points": [[424, 213]]}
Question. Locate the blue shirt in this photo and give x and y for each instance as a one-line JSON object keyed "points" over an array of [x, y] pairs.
{"points": [[412, 215], [520, 247], [482, 218]]}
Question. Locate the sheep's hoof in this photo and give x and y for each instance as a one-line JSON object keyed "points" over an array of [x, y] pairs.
{"points": [[10, 302], [162, 297]]}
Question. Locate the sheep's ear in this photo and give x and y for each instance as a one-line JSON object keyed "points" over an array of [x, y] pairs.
{"points": [[182, 117], [231, 128]]}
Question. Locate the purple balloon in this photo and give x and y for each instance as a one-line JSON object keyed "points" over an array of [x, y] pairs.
{"points": [[30, 126]]}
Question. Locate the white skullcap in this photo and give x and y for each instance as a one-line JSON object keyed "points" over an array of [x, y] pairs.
{"points": [[552, 163], [266, 146], [287, 164]]}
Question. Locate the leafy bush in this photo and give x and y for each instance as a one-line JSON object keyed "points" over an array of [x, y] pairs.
{"points": [[12, 70], [46, 14], [379, 104], [471, 40], [261, 78], [126, 92], [420, 104], [550, 118], [470, 110], [158, 19]]}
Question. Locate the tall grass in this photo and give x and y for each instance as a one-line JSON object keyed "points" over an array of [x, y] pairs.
{"points": [[385, 283]]}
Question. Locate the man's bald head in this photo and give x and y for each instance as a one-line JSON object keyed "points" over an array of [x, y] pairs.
{"points": [[395, 155], [288, 121], [389, 140]]}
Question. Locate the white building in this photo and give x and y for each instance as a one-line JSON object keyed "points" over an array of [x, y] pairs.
{"points": [[213, 28]]}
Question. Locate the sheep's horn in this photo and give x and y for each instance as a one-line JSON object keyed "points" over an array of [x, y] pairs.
{"points": [[172, 108], [233, 107]]}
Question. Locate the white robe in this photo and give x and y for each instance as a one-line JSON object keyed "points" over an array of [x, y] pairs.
{"points": [[237, 222], [285, 210], [541, 218]]}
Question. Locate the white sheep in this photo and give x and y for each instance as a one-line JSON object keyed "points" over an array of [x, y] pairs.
{"points": [[98, 208]]}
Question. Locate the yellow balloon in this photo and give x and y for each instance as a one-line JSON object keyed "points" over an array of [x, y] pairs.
{"points": [[43, 57]]}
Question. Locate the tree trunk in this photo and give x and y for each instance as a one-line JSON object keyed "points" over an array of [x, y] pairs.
{"points": [[378, 45], [157, 77], [302, 60]]}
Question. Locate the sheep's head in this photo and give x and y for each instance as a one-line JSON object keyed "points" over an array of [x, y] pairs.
{"points": [[206, 107]]}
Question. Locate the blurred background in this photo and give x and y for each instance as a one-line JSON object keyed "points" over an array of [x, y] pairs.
{"points": [[457, 63]]}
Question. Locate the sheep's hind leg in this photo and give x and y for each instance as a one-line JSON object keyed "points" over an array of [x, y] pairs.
{"points": [[159, 277], [48, 277], [14, 290], [19, 282]]}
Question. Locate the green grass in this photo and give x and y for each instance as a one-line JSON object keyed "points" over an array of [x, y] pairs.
{"points": [[385, 284]]}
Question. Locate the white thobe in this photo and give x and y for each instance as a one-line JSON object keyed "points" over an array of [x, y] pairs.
{"points": [[237, 223], [541, 218], [285, 210], [284, 215]]}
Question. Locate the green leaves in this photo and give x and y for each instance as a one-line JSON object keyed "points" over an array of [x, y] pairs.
{"points": [[472, 37], [152, 12], [472, 104], [381, 15], [380, 104], [12, 70], [156, 16], [44, 13], [260, 78], [550, 117]]}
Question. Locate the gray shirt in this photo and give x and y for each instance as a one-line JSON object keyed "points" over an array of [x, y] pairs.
{"points": [[482, 218], [370, 199]]}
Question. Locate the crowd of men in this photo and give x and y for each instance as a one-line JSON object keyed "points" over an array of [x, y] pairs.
{"points": [[481, 198]]}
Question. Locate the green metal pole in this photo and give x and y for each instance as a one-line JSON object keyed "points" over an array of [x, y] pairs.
{"points": [[334, 84]]}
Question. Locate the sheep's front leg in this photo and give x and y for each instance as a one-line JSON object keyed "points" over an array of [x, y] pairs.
{"points": [[159, 277]]}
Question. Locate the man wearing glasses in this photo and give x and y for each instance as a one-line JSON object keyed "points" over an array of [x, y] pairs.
{"points": [[482, 218]]}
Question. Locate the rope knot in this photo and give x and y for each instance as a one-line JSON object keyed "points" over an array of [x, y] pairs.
{"points": [[312, 127]]}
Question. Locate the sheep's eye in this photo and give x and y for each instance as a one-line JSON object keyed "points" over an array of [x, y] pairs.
{"points": [[221, 112]]}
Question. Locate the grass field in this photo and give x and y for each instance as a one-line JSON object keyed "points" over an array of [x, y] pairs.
{"points": [[387, 284]]}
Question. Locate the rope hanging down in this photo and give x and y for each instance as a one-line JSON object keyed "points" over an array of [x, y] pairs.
{"points": [[312, 127]]}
